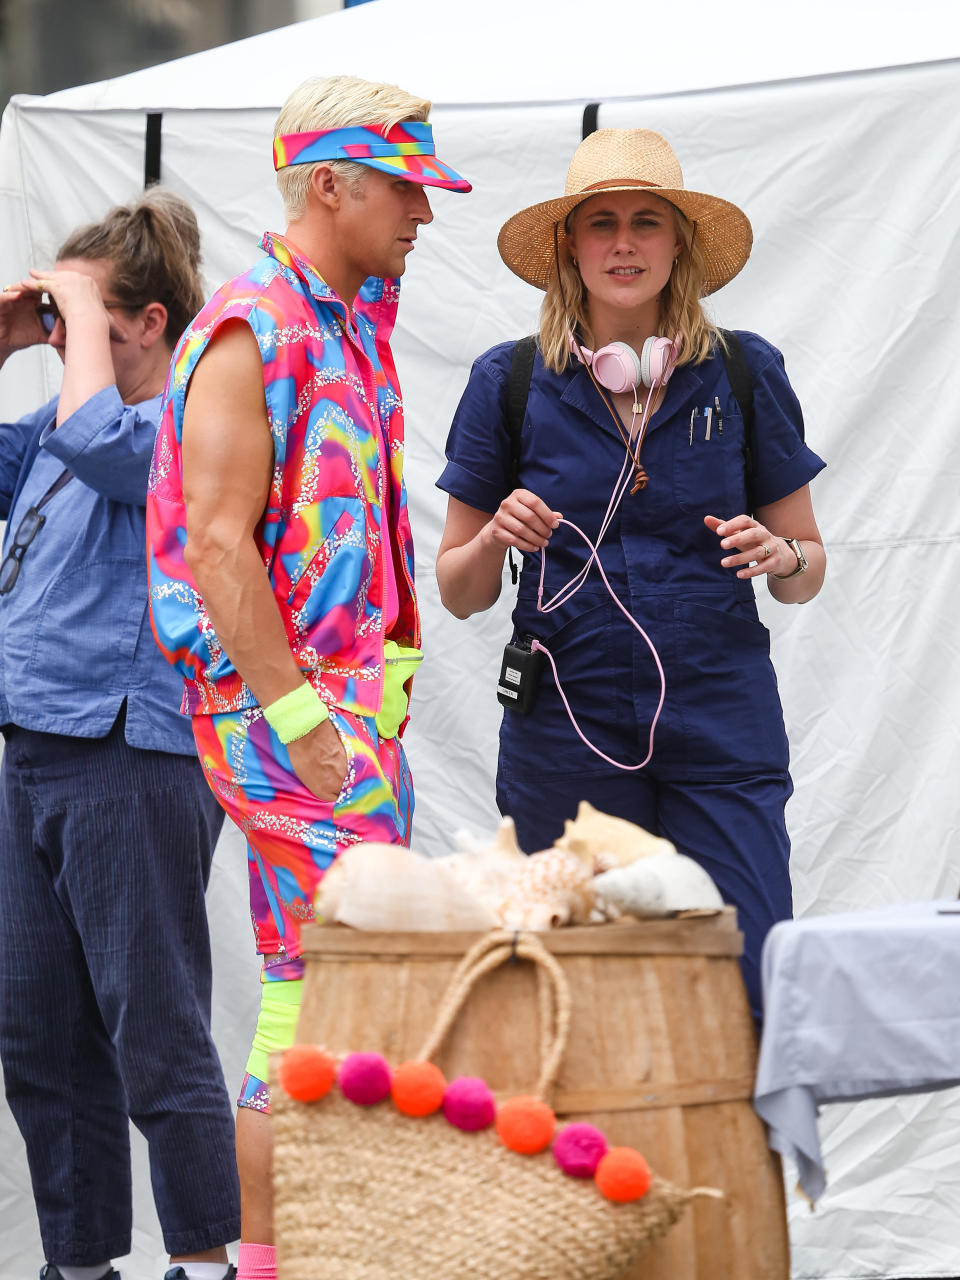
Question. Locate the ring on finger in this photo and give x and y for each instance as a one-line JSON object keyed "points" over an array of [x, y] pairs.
{"points": [[766, 551]]}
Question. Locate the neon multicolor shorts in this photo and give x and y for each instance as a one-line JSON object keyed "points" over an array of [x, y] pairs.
{"points": [[292, 836]]}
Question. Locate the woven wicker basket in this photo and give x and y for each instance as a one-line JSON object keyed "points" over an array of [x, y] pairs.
{"points": [[366, 1193]]}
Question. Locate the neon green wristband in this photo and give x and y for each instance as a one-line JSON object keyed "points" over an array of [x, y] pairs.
{"points": [[296, 713]]}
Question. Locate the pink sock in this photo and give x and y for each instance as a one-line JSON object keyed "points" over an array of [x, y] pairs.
{"points": [[257, 1262]]}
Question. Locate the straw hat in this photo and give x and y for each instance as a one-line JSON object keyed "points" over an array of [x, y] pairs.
{"points": [[626, 160]]}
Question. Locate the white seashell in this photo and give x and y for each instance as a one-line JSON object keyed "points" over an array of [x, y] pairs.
{"points": [[604, 842], [658, 885], [553, 888], [391, 888]]}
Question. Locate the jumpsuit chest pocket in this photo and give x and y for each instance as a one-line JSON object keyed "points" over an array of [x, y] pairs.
{"points": [[708, 462]]}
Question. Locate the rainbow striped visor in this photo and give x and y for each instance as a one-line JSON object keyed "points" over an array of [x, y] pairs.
{"points": [[406, 150]]}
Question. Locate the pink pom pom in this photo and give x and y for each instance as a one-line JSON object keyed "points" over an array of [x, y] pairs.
{"points": [[365, 1078], [578, 1149], [469, 1104]]}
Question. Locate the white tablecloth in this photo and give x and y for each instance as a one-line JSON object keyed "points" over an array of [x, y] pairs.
{"points": [[860, 1005]]}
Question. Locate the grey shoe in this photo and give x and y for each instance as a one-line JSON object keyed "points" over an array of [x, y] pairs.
{"points": [[178, 1273], [49, 1272]]}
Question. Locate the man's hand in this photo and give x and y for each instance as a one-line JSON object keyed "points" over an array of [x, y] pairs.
{"points": [[320, 761]]}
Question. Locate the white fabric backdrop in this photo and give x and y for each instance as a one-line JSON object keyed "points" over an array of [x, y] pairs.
{"points": [[851, 180]]}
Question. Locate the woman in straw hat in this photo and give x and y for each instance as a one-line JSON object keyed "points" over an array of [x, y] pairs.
{"points": [[661, 705]]}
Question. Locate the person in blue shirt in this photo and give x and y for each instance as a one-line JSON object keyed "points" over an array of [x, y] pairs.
{"points": [[107, 826], [633, 441]]}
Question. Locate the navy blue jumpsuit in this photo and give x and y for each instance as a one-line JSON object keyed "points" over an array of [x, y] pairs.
{"points": [[718, 780]]}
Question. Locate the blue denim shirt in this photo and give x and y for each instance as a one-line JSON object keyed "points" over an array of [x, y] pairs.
{"points": [[75, 638]]}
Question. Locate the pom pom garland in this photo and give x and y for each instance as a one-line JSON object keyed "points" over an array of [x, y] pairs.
{"points": [[623, 1175], [365, 1078], [578, 1149], [418, 1088], [306, 1072], [525, 1125], [468, 1104]]}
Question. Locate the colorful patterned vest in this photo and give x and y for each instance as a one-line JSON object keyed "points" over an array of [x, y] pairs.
{"points": [[335, 413]]}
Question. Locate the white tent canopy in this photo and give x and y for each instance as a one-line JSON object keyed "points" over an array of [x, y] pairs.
{"points": [[835, 126], [526, 51]]}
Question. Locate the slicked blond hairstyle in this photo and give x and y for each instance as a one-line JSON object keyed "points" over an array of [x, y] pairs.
{"points": [[680, 308], [335, 102]]}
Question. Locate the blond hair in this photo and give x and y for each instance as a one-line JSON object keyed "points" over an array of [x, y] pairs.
{"points": [[565, 308], [336, 102]]}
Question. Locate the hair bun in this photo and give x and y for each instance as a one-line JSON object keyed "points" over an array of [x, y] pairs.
{"points": [[160, 202], [153, 246]]}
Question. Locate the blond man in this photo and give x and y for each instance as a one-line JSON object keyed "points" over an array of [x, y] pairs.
{"points": [[281, 564]]}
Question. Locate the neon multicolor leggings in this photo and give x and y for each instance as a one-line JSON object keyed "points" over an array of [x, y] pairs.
{"points": [[292, 836]]}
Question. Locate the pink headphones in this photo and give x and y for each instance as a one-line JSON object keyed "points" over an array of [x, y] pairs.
{"points": [[618, 367]]}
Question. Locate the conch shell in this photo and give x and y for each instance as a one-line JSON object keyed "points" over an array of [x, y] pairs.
{"points": [[659, 885], [391, 888], [553, 888], [604, 842], [487, 868]]}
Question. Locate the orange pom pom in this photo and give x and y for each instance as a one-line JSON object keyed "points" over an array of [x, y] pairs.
{"points": [[525, 1125], [623, 1175], [306, 1072], [418, 1088]]}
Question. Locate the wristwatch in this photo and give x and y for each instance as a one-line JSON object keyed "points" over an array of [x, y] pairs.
{"points": [[802, 565]]}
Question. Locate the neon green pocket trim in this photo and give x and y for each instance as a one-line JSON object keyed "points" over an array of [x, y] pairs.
{"points": [[276, 1024], [399, 664]]}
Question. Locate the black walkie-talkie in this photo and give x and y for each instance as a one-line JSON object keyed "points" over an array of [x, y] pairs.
{"points": [[520, 676]]}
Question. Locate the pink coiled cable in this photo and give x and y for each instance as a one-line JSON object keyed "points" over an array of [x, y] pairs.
{"points": [[567, 592]]}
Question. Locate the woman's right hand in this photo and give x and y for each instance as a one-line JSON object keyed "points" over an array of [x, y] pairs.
{"points": [[20, 325], [320, 761], [523, 521], [77, 296]]}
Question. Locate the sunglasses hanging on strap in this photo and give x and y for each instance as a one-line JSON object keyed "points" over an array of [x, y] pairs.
{"points": [[27, 530]]}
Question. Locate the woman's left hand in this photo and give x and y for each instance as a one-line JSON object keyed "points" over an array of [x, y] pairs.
{"points": [[746, 541]]}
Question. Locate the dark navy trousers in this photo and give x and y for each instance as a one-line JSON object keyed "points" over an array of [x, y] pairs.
{"points": [[718, 782], [105, 986]]}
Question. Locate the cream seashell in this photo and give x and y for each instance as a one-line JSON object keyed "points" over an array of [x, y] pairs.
{"points": [[604, 842], [487, 868], [659, 885], [390, 888], [554, 888], [504, 840]]}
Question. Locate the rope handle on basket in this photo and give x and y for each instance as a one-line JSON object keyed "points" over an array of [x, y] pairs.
{"points": [[553, 991]]}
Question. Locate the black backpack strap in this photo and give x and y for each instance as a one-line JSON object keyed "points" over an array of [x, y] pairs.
{"points": [[518, 389], [741, 383]]}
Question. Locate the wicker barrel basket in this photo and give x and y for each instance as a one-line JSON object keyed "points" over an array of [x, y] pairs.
{"points": [[661, 1056]]}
